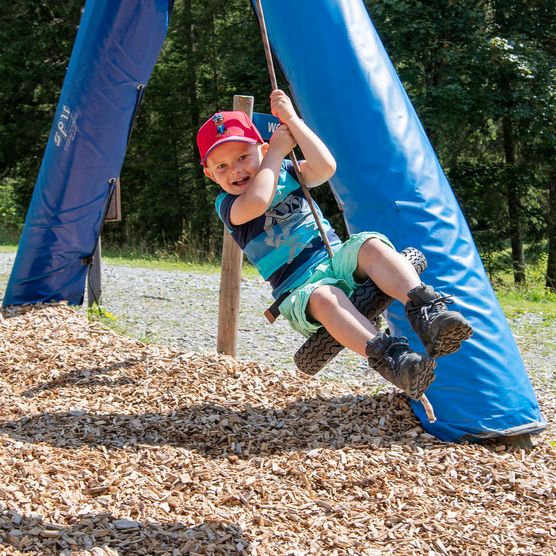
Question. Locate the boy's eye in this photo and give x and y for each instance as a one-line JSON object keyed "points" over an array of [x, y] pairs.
{"points": [[221, 166], [243, 156]]}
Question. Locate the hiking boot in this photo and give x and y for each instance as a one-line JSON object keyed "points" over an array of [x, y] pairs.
{"points": [[440, 330], [393, 358]]}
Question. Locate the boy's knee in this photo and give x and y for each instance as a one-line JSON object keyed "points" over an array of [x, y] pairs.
{"points": [[371, 250], [324, 297], [373, 246]]}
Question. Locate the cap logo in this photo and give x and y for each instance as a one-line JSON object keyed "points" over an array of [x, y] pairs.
{"points": [[218, 120], [226, 126]]}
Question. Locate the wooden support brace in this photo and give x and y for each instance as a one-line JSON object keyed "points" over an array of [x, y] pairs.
{"points": [[94, 278]]}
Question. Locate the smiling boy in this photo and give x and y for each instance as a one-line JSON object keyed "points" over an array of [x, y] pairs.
{"points": [[264, 208]]}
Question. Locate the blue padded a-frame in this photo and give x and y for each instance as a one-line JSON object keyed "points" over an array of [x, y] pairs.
{"points": [[389, 179], [114, 53]]}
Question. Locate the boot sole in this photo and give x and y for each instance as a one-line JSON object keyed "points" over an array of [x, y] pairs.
{"points": [[423, 378], [449, 340]]}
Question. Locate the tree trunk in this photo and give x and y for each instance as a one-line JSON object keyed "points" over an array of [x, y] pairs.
{"points": [[199, 209], [190, 84], [510, 154], [551, 232], [514, 206]]}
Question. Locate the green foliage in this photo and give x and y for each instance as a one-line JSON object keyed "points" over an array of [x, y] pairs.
{"points": [[10, 212], [212, 52], [480, 75], [36, 39]]}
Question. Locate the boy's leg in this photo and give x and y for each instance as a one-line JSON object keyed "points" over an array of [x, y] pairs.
{"points": [[331, 307], [391, 357], [387, 268], [440, 330]]}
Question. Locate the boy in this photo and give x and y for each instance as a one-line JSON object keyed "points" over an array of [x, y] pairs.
{"points": [[264, 209]]}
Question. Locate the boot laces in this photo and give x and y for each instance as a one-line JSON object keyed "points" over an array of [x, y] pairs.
{"points": [[430, 310], [399, 346]]}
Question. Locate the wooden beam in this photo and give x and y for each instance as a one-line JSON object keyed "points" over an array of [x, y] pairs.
{"points": [[114, 211], [230, 274], [94, 278]]}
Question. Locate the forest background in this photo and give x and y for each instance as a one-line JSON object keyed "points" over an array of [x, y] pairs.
{"points": [[481, 75]]}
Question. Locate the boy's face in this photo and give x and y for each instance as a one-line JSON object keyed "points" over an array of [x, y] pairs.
{"points": [[233, 165]]}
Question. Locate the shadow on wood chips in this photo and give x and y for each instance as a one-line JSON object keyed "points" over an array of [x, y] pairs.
{"points": [[217, 431], [122, 536]]}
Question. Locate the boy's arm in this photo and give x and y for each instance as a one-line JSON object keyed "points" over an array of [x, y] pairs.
{"points": [[261, 191], [319, 164]]}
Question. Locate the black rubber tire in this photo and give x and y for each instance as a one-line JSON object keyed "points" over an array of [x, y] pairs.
{"points": [[321, 347]]}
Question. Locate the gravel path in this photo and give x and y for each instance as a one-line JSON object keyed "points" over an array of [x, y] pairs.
{"points": [[180, 309]]}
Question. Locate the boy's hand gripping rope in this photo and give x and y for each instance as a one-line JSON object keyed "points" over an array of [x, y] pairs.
{"points": [[274, 85]]}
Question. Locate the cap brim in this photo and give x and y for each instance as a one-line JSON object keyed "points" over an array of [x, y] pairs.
{"points": [[234, 138]]}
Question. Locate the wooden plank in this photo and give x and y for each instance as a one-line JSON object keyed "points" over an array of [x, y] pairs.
{"points": [[114, 212], [94, 278], [230, 274]]}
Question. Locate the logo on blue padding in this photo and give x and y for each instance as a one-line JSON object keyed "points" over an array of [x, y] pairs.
{"points": [[266, 124], [66, 128]]}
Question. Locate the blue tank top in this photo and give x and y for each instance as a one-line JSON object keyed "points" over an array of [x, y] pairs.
{"points": [[284, 243]]}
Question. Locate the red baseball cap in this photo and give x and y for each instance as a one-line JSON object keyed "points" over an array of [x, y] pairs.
{"points": [[224, 127]]}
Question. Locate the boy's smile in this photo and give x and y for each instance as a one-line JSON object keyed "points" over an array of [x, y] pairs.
{"points": [[232, 165]]}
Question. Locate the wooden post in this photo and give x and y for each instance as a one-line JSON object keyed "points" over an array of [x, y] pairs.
{"points": [[94, 278], [230, 275]]}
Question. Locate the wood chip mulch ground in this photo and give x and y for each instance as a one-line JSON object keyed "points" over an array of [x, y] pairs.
{"points": [[109, 446]]}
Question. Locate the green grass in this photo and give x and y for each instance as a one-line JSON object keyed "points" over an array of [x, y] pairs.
{"points": [[98, 312], [160, 263], [519, 301], [533, 297], [165, 261]]}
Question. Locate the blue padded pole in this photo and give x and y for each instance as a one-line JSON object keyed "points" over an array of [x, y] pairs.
{"points": [[114, 53], [389, 179]]}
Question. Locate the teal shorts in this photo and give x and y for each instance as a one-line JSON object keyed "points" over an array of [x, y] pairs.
{"points": [[336, 272]]}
